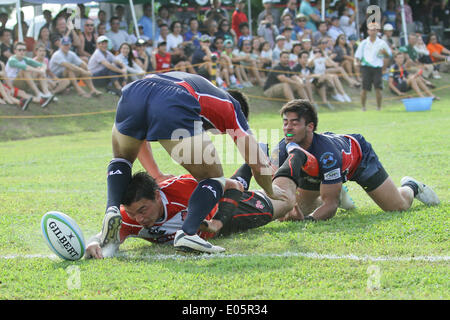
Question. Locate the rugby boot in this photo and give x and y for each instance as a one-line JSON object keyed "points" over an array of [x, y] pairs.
{"points": [[194, 243], [425, 194]]}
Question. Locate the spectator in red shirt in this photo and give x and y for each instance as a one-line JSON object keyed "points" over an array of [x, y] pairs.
{"points": [[161, 60], [238, 17]]}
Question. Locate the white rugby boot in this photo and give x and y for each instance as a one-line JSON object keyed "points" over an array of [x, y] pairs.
{"points": [[425, 193], [345, 201], [110, 236], [189, 243]]}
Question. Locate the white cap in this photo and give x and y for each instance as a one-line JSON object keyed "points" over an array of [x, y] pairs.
{"points": [[388, 27], [102, 38]]}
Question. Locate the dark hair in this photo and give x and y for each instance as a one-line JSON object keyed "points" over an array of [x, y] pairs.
{"points": [[2, 31], [114, 18], [261, 45], [172, 25], [242, 25], [302, 53], [243, 101], [130, 54], [19, 44], [304, 109], [141, 186], [284, 52]]}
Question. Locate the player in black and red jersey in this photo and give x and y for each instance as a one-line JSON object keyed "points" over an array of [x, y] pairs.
{"points": [[329, 160]]}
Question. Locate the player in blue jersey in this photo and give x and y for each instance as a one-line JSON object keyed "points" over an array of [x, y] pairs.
{"points": [[329, 160], [173, 108]]}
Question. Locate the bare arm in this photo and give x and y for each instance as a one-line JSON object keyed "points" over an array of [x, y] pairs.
{"points": [[145, 157], [330, 197]]}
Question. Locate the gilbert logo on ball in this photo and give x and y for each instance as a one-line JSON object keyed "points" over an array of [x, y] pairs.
{"points": [[62, 235]]}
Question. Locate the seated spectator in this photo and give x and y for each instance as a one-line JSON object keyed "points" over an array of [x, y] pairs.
{"points": [[66, 64], [413, 58], [44, 40], [282, 82], [6, 50], [245, 33], [279, 47], [439, 54], [268, 30], [287, 33], [300, 29], [344, 57], [174, 38], [161, 59], [179, 61], [55, 84], [13, 95], [307, 46], [103, 64], [321, 33], [216, 12], [20, 69], [163, 33], [306, 75], [388, 31], [202, 58], [230, 57], [64, 28], [266, 54], [248, 61], [441, 14], [163, 16], [225, 32], [287, 22], [335, 28], [126, 57], [269, 9], [347, 22], [400, 81], [116, 35], [88, 41], [143, 58], [291, 9], [311, 14], [293, 57], [211, 29], [193, 35], [319, 63]]}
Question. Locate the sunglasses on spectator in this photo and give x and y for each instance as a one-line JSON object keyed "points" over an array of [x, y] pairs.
{"points": [[20, 49], [89, 25]]}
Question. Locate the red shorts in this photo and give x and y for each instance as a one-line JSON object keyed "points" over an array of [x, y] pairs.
{"points": [[16, 90]]}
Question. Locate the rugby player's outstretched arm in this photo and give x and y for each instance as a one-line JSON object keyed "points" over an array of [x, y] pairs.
{"points": [[145, 157], [330, 198]]}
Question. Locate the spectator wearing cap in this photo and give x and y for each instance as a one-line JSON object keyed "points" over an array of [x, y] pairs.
{"points": [[279, 47], [388, 31], [103, 64], [310, 13], [216, 12], [269, 9], [370, 56], [202, 58], [300, 28], [64, 63], [142, 57], [20, 71], [116, 35], [268, 30], [193, 35], [88, 40], [238, 17], [282, 81]]}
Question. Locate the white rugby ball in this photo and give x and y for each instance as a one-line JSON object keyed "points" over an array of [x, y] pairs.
{"points": [[63, 236]]}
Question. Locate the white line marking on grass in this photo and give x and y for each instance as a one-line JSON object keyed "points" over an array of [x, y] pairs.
{"points": [[309, 255]]}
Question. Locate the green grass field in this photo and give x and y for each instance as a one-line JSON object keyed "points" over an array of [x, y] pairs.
{"points": [[361, 254]]}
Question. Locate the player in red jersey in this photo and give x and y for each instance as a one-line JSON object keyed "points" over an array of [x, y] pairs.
{"points": [[156, 212]]}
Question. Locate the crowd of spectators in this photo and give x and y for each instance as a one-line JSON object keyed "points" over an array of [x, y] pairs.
{"points": [[291, 51]]}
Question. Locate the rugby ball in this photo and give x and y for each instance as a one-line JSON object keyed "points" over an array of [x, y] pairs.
{"points": [[62, 235]]}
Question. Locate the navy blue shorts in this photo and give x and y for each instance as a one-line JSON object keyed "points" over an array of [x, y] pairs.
{"points": [[370, 173], [152, 109]]}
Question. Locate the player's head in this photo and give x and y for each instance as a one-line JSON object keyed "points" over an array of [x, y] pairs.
{"points": [[242, 99], [299, 120], [142, 200]]}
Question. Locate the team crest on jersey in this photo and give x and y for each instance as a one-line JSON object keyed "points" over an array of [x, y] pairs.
{"points": [[259, 205], [327, 160]]}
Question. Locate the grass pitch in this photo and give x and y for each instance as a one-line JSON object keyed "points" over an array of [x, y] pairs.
{"points": [[360, 254]]}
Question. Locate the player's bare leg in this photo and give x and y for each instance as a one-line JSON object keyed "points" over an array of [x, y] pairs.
{"points": [[390, 198]]}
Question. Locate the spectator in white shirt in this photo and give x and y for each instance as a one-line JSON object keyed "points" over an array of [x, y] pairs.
{"points": [[116, 35], [335, 29], [174, 38]]}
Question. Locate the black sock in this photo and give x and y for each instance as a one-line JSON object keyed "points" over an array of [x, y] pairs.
{"points": [[205, 196], [228, 205], [292, 166], [119, 176], [243, 175], [413, 186]]}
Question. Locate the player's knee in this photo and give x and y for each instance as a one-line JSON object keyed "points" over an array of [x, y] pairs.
{"points": [[233, 184]]}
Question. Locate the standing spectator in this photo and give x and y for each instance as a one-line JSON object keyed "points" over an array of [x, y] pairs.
{"points": [[308, 11], [369, 56], [268, 30], [441, 14], [147, 23], [101, 19], [24, 28], [66, 64], [193, 35], [291, 9], [216, 12], [410, 26], [163, 16], [102, 64], [88, 40], [126, 57], [163, 33], [269, 9], [3, 20], [438, 53], [347, 22], [238, 17], [390, 15], [174, 38], [116, 35], [19, 70], [48, 19], [119, 12], [6, 50], [281, 82]]}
